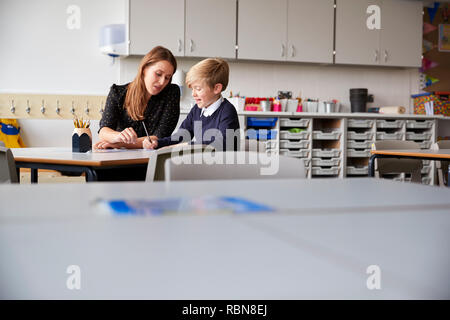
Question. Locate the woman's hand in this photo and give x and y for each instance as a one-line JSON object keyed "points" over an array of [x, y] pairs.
{"points": [[152, 144], [106, 145], [126, 136]]}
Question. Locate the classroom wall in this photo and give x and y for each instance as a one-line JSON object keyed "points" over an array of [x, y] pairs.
{"points": [[41, 55]]}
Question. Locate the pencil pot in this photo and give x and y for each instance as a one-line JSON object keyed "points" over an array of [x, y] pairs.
{"points": [[81, 140]]}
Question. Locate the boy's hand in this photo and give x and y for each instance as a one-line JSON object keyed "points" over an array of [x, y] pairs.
{"points": [[153, 144]]}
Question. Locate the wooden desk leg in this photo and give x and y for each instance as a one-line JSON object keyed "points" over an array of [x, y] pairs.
{"points": [[34, 175], [372, 165]]}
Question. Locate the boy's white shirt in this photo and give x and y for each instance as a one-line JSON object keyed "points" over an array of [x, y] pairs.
{"points": [[208, 111]]}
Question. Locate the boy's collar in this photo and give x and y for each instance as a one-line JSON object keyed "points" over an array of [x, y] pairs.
{"points": [[208, 111]]}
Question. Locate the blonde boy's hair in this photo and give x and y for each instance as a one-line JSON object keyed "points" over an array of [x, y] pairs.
{"points": [[211, 71]]}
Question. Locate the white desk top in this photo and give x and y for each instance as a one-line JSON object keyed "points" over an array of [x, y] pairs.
{"points": [[318, 245], [94, 158]]}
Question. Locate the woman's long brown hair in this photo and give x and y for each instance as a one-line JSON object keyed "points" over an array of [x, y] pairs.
{"points": [[135, 100]]}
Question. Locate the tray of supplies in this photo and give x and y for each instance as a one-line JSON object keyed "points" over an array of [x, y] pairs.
{"points": [[419, 124], [356, 153], [354, 144], [319, 162], [353, 170], [294, 144], [302, 123], [302, 153], [319, 171], [389, 136], [320, 135], [359, 123], [326, 153], [352, 135], [284, 134], [418, 136], [389, 124]]}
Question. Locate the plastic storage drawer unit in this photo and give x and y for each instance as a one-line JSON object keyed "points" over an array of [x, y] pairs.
{"points": [[389, 124], [417, 124], [418, 136], [319, 162], [359, 136], [261, 134], [326, 153], [261, 122], [302, 153], [293, 144], [319, 135], [358, 153], [294, 135], [389, 136], [359, 123], [352, 144], [352, 170], [301, 123], [318, 171]]}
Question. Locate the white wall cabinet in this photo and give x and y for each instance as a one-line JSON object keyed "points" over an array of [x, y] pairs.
{"points": [[154, 23], [286, 30], [262, 28], [210, 28], [310, 31], [396, 43]]}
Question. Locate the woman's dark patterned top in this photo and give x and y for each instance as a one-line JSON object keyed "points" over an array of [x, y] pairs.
{"points": [[160, 116]]}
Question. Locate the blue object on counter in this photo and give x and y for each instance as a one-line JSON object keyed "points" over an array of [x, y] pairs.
{"points": [[261, 122], [420, 95], [261, 134]]}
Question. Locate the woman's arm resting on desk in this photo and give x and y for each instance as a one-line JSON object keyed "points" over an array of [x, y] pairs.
{"points": [[113, 139]]}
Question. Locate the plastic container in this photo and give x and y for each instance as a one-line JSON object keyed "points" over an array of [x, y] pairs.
{"points": [[318, 171], [301, 123], [261, 134], [418, 136], [360, 123], [261, 122], [359, 136], [353, 144], [426, 170], [389, 124], [425, 144], [389, 136], [355, 153], [352, 170], [291, 135], [418, 124], [319, 162], [326, 153], [426, 180], [302, 153], [293, 144], [319, 135]]}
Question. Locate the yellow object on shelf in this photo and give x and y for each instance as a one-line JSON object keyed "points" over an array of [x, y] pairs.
{"points": [[9, 133]]}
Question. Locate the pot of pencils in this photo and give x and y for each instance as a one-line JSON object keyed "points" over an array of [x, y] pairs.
{"points": [[81, 136]]}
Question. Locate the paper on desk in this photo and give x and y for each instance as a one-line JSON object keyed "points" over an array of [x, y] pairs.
{"points": [[186, 205]]}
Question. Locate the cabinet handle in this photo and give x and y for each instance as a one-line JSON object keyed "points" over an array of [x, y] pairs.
{"points": [[179, 45], [376, 55], [293, 51], [191, 44], [385, 56], [282, 50]]}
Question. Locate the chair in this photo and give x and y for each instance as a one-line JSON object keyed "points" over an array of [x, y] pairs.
{"points": [[155, 168], [385, 166], [234, 165], [8, 172], [442, 166]]}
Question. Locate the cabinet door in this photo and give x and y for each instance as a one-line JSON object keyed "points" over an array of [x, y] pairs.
{"points": [[401, 33], [156, 23], [262, 29], [211, 28], [310, 30], [355, 42]]}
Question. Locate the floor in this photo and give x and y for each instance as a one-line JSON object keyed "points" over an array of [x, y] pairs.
{"points": [[49, 176]]}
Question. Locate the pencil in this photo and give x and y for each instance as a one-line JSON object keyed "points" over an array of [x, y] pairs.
{"points": [[146, 132]]}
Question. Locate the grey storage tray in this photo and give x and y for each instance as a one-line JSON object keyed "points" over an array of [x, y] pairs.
{"points": [[301, 123], [418, 136], [426, 170], [389, 124], [352, 144], [319, 162], [326, 153], [359, 136], [352, 170], [294, 144], [318, 171], [425, 144], [358, 153], [291, 135], [319, 135], [359, 123], [302, 153], [415, 124], [389, 136]]}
